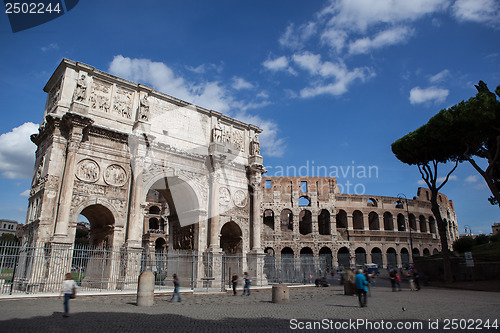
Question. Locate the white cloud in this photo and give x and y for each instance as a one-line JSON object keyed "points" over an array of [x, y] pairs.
{"points": [[240, 83], [385, 38], [263, 94], [439, 77], [270, 143], [294, 38], [480, 11], [25, 194], [338, 72], [421, 182], [335, 38], [419, 95], [441, 179], [358, 15], [207, 94], [17, 152], [471, 179], [210, 95], [51, 46], [277, 64]]}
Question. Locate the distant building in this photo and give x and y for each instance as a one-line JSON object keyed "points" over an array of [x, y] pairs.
{"points": [[495, 228], [20, 232], [8, 227]]}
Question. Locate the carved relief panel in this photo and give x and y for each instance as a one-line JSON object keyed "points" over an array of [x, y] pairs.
{"points": [[54, 95], [115, 175], [100, 96], [122, 103], [228, 136], [87, 170]]}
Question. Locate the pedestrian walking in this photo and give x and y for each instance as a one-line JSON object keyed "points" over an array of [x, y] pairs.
{"points": [[416, 278], [177, 284], [361, 287], [398, 281], [234, 281], [246, 286], [69, 290], [392, 275], [412, 282]]}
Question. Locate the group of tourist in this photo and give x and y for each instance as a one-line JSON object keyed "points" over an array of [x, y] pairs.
{"points": [[413, 277]]}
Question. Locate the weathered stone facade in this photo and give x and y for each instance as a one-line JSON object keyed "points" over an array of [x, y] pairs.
{"points": [[308, 216], [154, 173], [124, 155]]}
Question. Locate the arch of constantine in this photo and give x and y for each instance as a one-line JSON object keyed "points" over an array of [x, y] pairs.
{"points": [[154, 175]]}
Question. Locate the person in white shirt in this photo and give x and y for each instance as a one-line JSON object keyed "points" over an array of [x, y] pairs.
{"points": [[68, 289]]}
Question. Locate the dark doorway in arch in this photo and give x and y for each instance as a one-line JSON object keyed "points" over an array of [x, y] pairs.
{"points": [[435, 251], [154, 224], [422, 223], [286, 219], [231, 241], [270, 265], [181, 208], [388, 222], [413, 222], [325, 260], [341, 224], [392, 260], [307, 264], [102, 225], [154, 210], [305, 222], [432, 225], [373, 221], [377, 257], [288, 273], [344, 257], [401, 223], [269, 219], [416, 252], [96, 264], [360, 254], [160, 255], [341, 219], [324, 222], [426, 252], [405, 257], [357, 220]]}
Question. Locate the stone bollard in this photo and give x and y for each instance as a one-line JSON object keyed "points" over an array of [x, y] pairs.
{"points": [[145, 289], [281, 293]]}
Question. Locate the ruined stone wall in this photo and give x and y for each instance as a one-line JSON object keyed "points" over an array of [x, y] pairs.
{"points": [[358, 224]]}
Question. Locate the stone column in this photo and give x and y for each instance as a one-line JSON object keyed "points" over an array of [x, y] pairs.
{"points": [[256, 225], [214, 212], [75, 125], [136, 219]]}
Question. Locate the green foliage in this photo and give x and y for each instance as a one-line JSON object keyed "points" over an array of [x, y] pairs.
{"points": [[8, 238], [481, 239], [463, 244]]}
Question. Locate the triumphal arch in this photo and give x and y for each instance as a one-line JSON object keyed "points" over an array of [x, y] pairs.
{"points": [[146, 170]]}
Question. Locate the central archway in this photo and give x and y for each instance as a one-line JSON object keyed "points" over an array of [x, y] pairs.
{"points": [[181, 206], [102, 224]]}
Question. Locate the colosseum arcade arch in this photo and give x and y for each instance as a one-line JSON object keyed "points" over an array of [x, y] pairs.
{"points": [[324, 222], [377, 257], [325, 259], [305, 222], [344, 257]]}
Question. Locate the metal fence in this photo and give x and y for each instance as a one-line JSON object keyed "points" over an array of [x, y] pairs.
{"points": [[41, 269]]}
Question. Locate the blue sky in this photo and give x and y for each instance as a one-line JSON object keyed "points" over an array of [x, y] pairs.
{"points": [[332, 83]]}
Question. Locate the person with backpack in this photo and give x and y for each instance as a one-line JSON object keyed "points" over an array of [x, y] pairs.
{"points": [[69, 290]]}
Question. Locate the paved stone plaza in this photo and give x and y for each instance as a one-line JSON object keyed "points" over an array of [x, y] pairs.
{"points": [[256, 313]]}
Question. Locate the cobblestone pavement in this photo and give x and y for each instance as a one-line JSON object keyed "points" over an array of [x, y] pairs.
{"points": [[256, 313]]}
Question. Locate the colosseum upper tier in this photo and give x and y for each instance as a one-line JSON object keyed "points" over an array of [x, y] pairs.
{"points": [[308, 216]]}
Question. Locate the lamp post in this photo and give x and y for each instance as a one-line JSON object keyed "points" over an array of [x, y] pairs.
{"points": [[401, 196]]}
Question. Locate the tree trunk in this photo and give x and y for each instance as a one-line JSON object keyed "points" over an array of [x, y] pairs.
{"points": [[442, 227]]}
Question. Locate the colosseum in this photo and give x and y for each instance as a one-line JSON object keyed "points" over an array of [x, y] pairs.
{"points": [[309, 217]]}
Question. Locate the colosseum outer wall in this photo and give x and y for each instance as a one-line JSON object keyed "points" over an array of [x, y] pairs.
{"points": [[308, 216]]}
